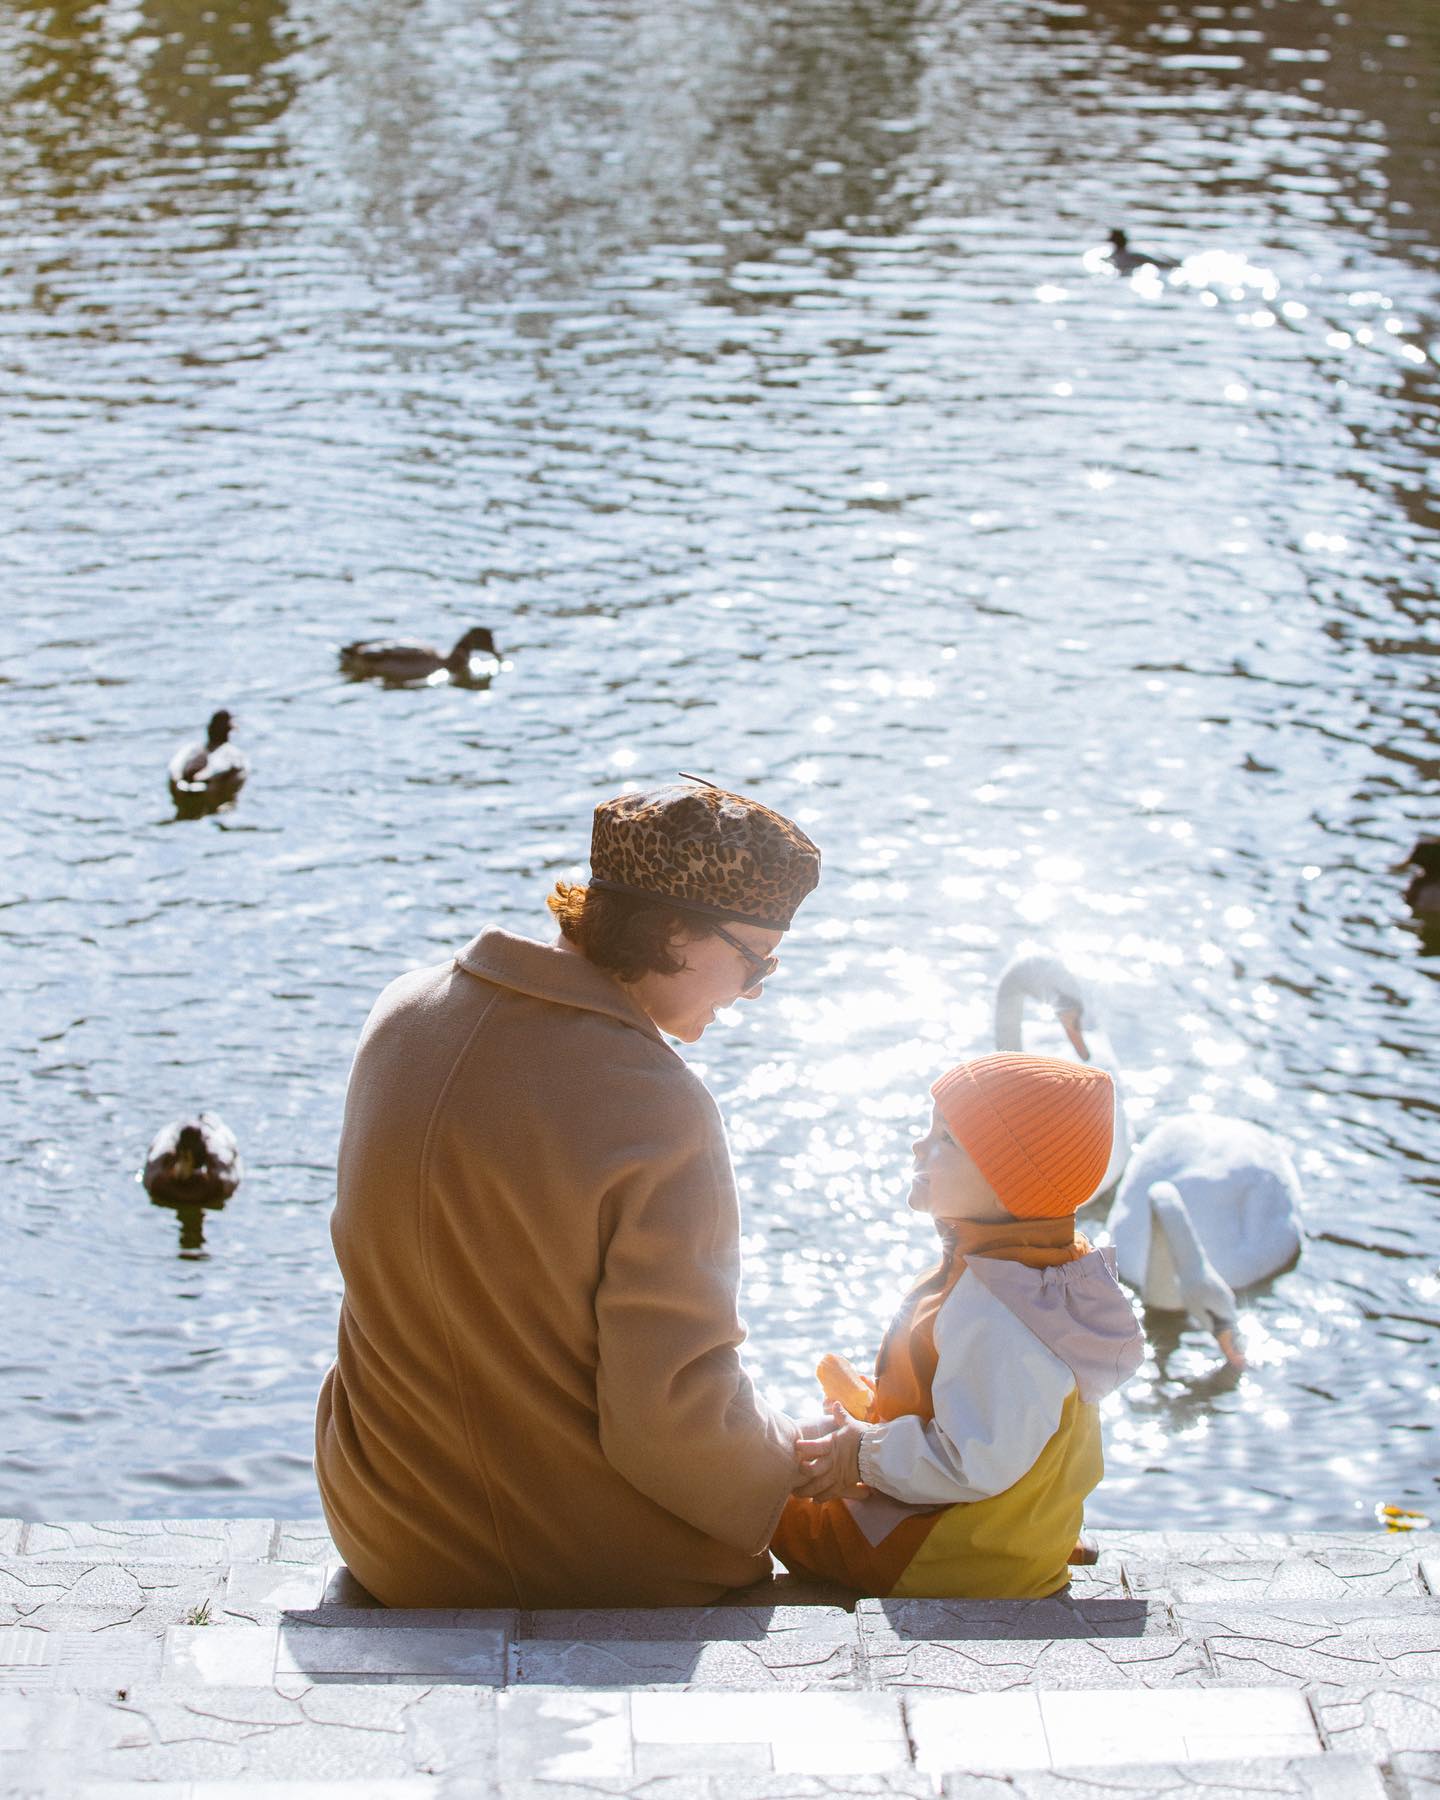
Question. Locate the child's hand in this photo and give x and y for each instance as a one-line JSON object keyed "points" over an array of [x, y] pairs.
{"points": [[829, 1467]]}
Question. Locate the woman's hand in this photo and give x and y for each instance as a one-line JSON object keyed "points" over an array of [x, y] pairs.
{"points": [[829, 1466]]}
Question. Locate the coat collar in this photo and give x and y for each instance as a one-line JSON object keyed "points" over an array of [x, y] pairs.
{"points": [[547, 972]]}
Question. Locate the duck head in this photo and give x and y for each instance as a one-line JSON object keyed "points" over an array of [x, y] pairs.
{"points": [[218, 730], [1422, 895], [1119, 242], [189, 1156], [478, 641]]}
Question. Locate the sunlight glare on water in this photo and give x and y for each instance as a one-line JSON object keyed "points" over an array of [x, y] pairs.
{"points": [[756, 373]]}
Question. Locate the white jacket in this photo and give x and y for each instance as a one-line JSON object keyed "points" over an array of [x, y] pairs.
{"points": [[1012, 1343]]}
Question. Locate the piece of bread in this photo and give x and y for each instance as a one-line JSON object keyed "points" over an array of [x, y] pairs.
{"points": [[842, 1381]]}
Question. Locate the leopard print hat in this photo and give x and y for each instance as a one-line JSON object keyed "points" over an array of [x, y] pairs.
{"points": [[704, 850]]}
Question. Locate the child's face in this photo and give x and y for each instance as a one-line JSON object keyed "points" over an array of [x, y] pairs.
{"points": [[947, 1184]]}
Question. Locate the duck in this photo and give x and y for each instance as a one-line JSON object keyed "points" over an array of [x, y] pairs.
{"points": [[1209, 1204], [193, 1161], [208, 775], [1422, 895], [473, 661], [1126, 261], [1047, 979]]}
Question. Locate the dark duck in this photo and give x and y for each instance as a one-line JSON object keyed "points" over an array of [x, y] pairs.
{"points": [[472, 662], [193, 1162], [208, 775], [1126, 261], [1422, 895]]}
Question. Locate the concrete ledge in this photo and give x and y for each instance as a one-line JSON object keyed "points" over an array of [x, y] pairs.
{"points": [[215, 1657]]}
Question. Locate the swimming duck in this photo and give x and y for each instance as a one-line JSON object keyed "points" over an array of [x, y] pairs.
{"points": [[1209, 1204], [473, 661], [1045, 978], [204, 776], [193, 1161], [1126, 261], [1422, 896]]}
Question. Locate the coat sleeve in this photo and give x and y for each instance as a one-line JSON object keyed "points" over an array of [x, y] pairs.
{"points": [[998, 1393], [679, 1417]]}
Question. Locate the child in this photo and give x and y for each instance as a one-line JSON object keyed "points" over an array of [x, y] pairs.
{"points": [[979, 1437]]}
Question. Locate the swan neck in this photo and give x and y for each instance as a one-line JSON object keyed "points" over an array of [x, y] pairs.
{"points": [[1171, 1217], [1009, 1015]]}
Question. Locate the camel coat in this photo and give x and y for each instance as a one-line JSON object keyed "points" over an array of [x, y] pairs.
{"points": [[537, 1398]]}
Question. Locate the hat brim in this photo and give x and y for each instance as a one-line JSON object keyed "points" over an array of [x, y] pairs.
{"points": [[690, 906]]}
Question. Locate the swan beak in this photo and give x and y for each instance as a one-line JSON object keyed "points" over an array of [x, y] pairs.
{"points": [[1229, 1341], [1070, 1019]]}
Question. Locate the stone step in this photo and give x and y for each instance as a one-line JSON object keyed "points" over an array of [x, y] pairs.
{"points": [[550, 1744], [350, 1731], [1202, 1646], [1304, 1664], [1300, 1778]]}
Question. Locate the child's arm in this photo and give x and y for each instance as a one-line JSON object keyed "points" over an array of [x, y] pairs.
{"points": [[997, 1397]]}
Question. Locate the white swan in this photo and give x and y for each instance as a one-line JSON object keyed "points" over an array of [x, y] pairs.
{"points": [[1209, 1204], [1043, 977]]}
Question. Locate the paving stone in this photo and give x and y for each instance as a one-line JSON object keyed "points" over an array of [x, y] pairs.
{"points": [[1415, 1774], [813, 1734], [23, 1654], [1276, 1778], [892, 1785], [304, 1540], [250, 1734], [1047, 1728], [1306, 1622], [12, 1532], [757, 1663], [326, 1653], [1388, 1562], [692, 1624], [342, 1589], [1100, 1580], [991, 1665], [1212, 1722], [1430, 1574], [261, 1592], [237, 1656], [1380, 1721], [98, 1596], [1251, 1580], [452, 1731], [32, 1659], [561, 1735], [548, 1736], [402, 1788], [216, 1542], [390, 1618], [977, 1732], [1340, 1660], [889, 1624]]}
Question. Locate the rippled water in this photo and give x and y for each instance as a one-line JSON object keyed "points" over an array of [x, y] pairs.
{"points": [[738, 363]]}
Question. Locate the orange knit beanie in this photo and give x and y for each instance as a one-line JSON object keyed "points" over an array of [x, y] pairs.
{"points": [[1039, 1129]]}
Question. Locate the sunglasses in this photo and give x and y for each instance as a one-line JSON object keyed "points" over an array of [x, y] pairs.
{"points": [[761, 967]]}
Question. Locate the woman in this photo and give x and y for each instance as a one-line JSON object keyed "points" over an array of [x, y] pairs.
{"points": [[537, 1398]]}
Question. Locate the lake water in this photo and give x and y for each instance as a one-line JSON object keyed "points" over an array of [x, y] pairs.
{"points": [[739, 364]]}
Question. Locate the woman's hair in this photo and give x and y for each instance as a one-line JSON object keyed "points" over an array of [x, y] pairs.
{"points": [[624, 934]]}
